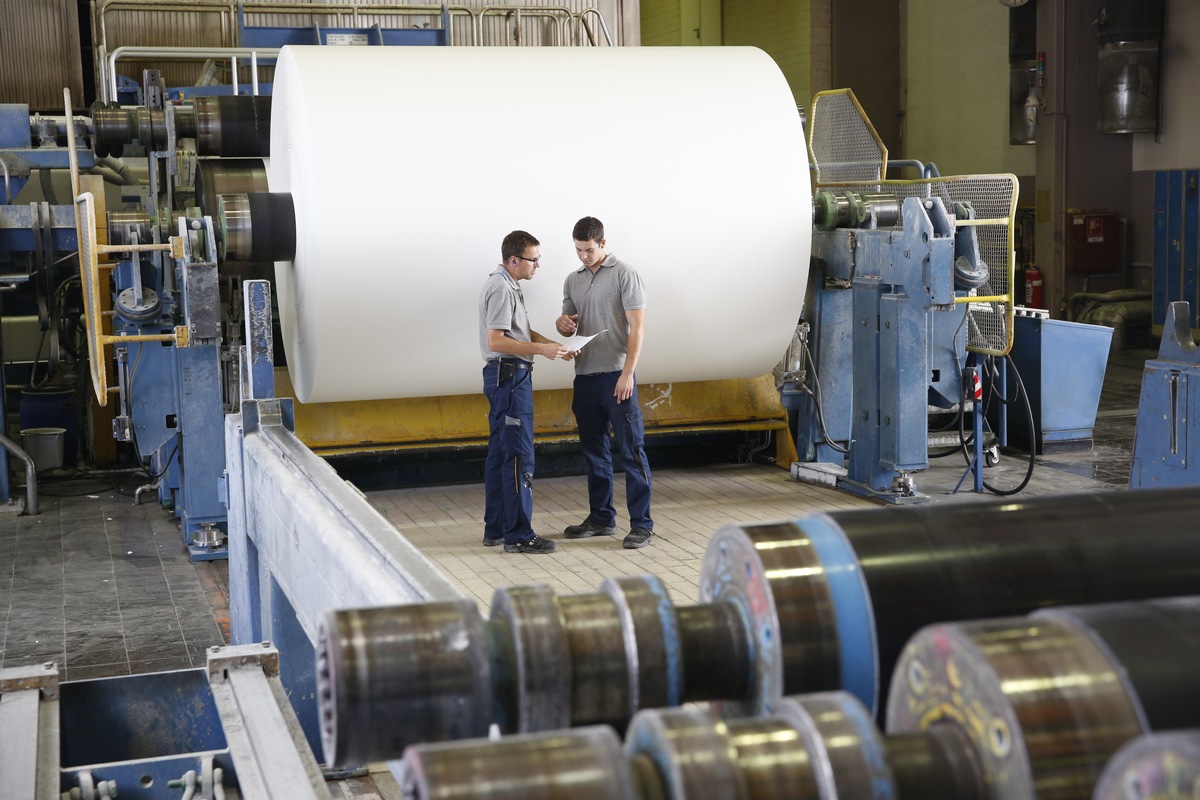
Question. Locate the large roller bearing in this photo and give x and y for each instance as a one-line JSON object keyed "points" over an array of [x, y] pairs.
{"points": [[389, 676], [774, 578], [1043, 704], [532, 659]]}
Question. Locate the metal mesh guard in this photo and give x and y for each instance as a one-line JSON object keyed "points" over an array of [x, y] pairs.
{"points": [[843, 144], [89, 274], [994, 198]]}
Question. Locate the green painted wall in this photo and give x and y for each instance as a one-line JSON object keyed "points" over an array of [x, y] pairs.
{"points": [[660, 22], [957, 82], [779, 27]]}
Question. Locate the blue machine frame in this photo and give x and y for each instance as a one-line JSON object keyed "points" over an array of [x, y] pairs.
{"points": [[881, 306], [1167, 409]]}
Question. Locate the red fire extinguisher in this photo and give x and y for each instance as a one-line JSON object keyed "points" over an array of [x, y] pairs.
{"points": [[1033, 288]]}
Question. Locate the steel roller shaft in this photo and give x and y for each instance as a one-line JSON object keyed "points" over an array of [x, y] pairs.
{"points": [[818, 604], [816, 747], [1047, 699], [1021, 708], [893, 572], [230, 127], [543, 662]]}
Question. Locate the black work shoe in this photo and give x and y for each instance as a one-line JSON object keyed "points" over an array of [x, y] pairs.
{"points": [[638, 537], [534, 546], [493, 542], [588, 529]]}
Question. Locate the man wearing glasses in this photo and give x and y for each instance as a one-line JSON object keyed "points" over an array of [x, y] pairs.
{"points": [[606, 295], [508, 345]]}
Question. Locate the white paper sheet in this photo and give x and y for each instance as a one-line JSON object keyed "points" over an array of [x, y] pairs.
{"points": [[575, 343], [408, 165]]}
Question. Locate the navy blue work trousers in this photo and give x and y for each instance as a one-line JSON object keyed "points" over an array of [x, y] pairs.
{"points": [[596, 408], [508, 469]]}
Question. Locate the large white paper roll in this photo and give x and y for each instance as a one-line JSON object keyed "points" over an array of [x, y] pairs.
{"points": [[408, 165]]}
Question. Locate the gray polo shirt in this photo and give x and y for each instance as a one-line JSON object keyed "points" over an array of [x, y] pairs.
{"points": [[502, 308], [601, 300]]}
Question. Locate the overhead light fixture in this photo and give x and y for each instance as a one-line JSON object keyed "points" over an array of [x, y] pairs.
{"points": [[1013, 3]]}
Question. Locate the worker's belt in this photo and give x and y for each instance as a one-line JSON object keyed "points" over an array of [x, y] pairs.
{"points": [[508, 368], [518, 363]]}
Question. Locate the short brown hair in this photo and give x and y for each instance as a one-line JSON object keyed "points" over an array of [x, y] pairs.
{"points": [[588, 229], [516, 243]]}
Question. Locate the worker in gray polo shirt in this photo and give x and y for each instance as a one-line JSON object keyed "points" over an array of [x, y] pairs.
{"points": [[606, 294], [508, 346]]}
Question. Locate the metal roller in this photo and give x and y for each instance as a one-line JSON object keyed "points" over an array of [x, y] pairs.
{"points": [[256, 226], [773, 760], [889, 573], [818, 604], [818, 747], [386, 679], [115, 126], [936, 764], [233, 127], [581, 764], [599, 677], [1157, 644], [215, 177], [1047, 699], [532, 660], [840, 736], [1160, 766], [691, 751], [774, 578], [650, 629], [853, 210], [124, 225]]}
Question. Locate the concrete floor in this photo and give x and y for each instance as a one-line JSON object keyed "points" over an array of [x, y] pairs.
{"points": [[104, 587]]}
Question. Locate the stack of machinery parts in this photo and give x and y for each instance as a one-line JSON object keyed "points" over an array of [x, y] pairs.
{"points": [[823, 603], [1020, 708]]}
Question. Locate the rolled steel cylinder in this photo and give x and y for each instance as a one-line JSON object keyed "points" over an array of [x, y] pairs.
{"points": [[853, 210], [819, 604], [1047, 699], [840, 736], [122, 225], [1154, 642], [215, 177], [385, 680], [115, 126], [692, 753], [581, 764], [233, 127], [849, 588], [256, 226], [1162, 766], [818, 747], [936, 764], [550, 662]]}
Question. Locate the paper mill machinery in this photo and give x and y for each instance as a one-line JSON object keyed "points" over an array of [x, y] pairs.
{"points": [[158, 396], [374, 654], [911, 286], [160, 337]]}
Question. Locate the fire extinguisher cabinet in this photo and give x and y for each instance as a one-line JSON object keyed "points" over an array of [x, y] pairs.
{"points": [[1062, 365]]}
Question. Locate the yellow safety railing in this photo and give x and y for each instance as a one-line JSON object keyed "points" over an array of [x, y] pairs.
{"points": [[849, 156]]}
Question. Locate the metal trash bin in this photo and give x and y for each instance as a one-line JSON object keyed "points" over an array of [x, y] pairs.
{"points": [[45, 446]]}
